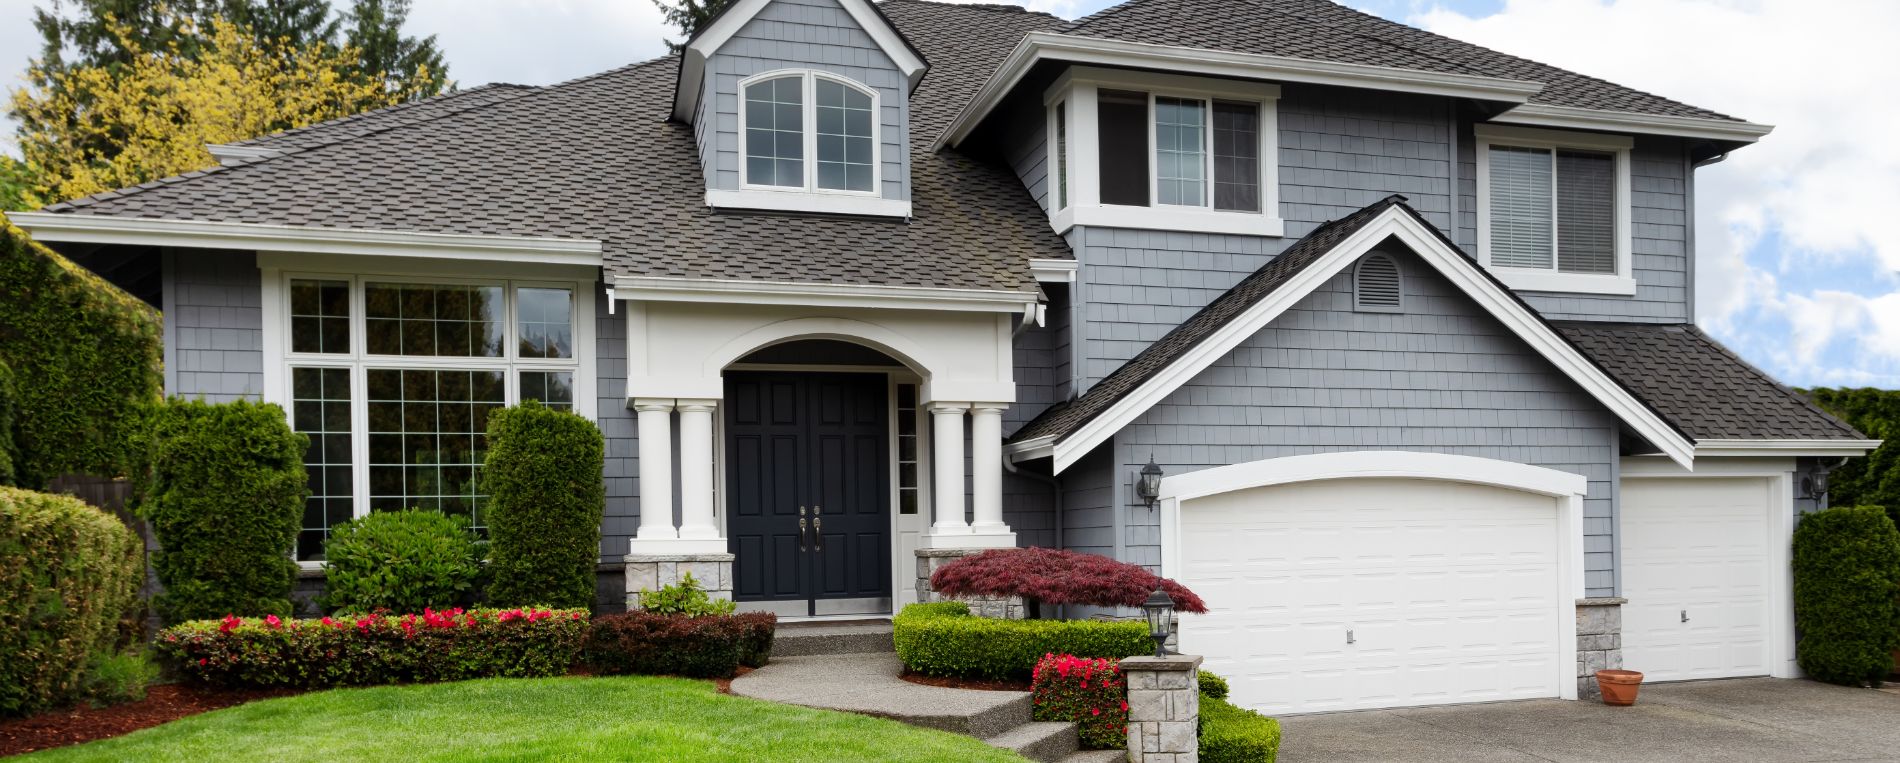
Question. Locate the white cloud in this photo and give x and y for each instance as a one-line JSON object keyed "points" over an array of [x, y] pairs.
{"points": [[1827, 181]]}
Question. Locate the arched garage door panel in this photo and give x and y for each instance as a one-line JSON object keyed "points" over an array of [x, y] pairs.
{"points": [[1366, 593]]}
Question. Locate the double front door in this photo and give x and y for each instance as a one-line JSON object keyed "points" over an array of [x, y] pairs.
{"points": [[808, 492]]}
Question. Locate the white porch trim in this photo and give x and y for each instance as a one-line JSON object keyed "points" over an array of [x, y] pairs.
{"points": [[1816, 448]]}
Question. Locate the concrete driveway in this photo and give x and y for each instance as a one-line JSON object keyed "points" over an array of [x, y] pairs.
{"points": [[1751, 719]]}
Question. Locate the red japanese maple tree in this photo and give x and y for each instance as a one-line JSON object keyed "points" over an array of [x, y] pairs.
{"points": [[1053, 576]]}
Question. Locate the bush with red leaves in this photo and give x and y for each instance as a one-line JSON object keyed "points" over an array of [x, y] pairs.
{"points": [[1053, 576]]}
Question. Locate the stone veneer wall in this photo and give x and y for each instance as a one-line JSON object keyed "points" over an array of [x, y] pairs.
{"points": [[652, 572], [930, 559], [1599, 641]]}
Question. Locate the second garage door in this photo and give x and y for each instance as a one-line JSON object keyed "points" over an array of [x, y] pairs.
{"points": [[1695, 571], [1367, 593]]}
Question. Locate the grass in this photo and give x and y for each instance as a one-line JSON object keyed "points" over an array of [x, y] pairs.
{"points": [[576, 718]]}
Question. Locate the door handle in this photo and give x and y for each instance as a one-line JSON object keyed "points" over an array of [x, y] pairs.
{"points": [[1685, 615], [801, 529], [1349, 638], [818, 529]]}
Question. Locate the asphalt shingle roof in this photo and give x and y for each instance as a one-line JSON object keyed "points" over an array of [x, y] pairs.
{"points": [[1325, 31], [1700, 386], [596, 158], [368, 122]]}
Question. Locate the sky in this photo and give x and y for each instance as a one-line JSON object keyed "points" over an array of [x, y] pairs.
{"points": [[1797, 269]]}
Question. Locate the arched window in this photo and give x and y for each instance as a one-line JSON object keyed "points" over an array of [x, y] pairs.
{"points": [[808, 130], [1376, 285]]}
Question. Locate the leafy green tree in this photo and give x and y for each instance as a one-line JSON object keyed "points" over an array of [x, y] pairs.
{"points": [[689, 16], [300, 22], [406, 67], [16, 183], [1873, 480]]}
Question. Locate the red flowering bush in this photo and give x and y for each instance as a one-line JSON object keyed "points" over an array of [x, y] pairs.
{"points": [[448, 645], [1086, 691], [647, 643], [1054, 576]]}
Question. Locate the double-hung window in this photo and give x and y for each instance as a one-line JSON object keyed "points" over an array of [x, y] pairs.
{"points": [[808, 131], [393, 380], [1553, 209], [1148, 150]]}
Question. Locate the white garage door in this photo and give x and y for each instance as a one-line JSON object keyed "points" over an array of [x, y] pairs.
{"points": [[1695, 571], [1368, 593]]}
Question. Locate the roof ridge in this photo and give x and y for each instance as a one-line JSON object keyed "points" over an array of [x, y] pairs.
{"points": [[404, 106], [992, 7]]}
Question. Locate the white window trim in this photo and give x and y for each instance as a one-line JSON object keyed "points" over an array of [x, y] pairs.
{"points": [[809, 130], [1622, 282], [1078, 88], [1056, 166], [278, 270]]}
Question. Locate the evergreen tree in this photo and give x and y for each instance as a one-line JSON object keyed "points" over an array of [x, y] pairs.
{"points": [[300, 22], [408, 67], [689, 16]]}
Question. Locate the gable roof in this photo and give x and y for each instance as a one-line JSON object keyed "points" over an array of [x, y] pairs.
{"points": [[1070, 430], [692, 70], [1701, 386], [597, 159]]}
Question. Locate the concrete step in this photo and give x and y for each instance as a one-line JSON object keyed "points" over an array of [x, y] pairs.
{"points": [[1044, 741], [1096, 756], [807, 639]]}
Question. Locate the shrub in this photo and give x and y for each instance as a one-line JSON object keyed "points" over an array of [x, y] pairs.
{"points": [[1873, 480], [1086, 691], [1234, 735], [1212, 685], [546, 497], [646, 643], [9, 454], [68, 574], [755, 641], [1847, 594], [1055, 576], [944, 639], [684, 598], [117, 678], [85, 362], [400, 561], [376, 649]]}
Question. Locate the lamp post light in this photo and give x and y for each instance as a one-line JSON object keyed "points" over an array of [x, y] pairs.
{"points": [[1160, 611], [1149, 486]]}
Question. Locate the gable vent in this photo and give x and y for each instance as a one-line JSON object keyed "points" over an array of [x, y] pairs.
{"points": [[1376, 284]]}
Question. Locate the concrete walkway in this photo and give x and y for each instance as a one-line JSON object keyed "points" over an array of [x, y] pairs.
{"points": [[1754, 719]]}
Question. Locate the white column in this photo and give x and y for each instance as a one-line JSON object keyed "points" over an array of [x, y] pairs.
{"points": [[696, 470], [986, 457], [946, 426], [656, 469]]}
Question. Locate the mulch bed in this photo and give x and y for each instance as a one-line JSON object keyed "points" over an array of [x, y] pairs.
{"points": [[162, 703], [725, 684], [980, 684]]}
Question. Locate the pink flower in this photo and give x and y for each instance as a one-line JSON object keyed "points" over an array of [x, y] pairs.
{"points": [[201, 662], [1095, 711], [230, 623], [273, 621]]}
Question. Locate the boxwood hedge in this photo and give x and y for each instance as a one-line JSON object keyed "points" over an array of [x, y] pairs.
{"points": [[944, 639], [224, 491], [85, 360], [69, 575], [546, 497], [1231, 734], [1847, 594], [400, 561]]}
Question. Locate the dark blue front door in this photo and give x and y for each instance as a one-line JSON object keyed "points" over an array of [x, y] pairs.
{"points": [[808, 492]]}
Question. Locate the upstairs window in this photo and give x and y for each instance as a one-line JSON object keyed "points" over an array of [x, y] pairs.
{"points": [[808, 131], [1553, 209], [1204, 153]]}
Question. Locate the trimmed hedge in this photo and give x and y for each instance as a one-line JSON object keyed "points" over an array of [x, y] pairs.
{"points": [[944, 639], [225, 494], [1234, 735], [9, 453], [647, 643], [69, 574], [85, 360], [1089, 692], [1847, 594], [400, 561], [545, 501], [368, 650], [1211, 684]]}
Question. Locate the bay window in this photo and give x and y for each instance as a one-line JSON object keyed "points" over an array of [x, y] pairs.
{"points": [[1163, 152], [393, 380], [1553, 209]]}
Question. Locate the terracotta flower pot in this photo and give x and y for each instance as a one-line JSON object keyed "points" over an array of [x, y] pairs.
{"points": [[1619, 686]]}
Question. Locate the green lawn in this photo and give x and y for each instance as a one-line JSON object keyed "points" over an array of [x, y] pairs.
{"points": [[632, 718]]}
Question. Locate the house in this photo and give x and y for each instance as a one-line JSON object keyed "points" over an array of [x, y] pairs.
{"points": [[1405, 325]]}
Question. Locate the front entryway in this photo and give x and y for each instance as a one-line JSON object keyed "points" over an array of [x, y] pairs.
{"points": [[808, 492]]}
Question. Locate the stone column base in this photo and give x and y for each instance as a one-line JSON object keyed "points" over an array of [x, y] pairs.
{"points": [[1164, 708], [999, 607], [652, 572], [1599, 641]]}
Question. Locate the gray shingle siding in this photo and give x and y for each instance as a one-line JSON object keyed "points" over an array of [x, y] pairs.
{"points": [[1442, 376], [621, 468], [1659, 237], [214, 330], [1343, 149], [1088, 499], [805, 34]]}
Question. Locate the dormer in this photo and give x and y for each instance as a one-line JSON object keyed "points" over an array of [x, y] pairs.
{"points": [[801, 106]]}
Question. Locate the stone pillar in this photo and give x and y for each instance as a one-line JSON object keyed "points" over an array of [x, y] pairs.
{"points": [[656, 469], [1000, 607], [946, 425], [696, 470], [986, 457], [1164, 708], [1599, 641], [651, 572]]}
